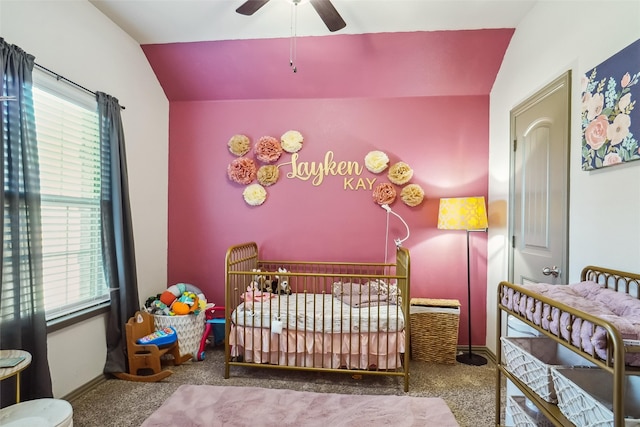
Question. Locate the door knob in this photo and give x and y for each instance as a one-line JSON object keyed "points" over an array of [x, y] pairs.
{"points": [[553, 271]]}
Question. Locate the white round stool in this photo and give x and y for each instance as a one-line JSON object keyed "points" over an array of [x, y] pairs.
{"points": [[37, 413]]}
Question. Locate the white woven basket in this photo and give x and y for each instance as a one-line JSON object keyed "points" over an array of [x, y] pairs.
{"points": [[530, 360], [585, 397], [189, 327], [522, 416]]}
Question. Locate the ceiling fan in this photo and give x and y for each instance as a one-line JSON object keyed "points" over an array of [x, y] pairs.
{"points": [[324, 8]]}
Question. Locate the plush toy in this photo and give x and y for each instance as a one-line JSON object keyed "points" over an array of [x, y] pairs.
{"points": [[279, 284], [180, 299], [260, 282], [283, 282], [185, 304], [154, 305]]}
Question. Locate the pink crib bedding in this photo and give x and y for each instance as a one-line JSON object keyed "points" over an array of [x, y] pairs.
{"points": [[621, 310], [316, 349]]}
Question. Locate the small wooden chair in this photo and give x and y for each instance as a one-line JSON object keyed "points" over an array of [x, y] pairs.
{"points": [[147, 356]]}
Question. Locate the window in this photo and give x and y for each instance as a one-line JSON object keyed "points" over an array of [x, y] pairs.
{"points": [[68, 137]]}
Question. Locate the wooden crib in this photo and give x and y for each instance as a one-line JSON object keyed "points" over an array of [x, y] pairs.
{"points": [[320, 316]]}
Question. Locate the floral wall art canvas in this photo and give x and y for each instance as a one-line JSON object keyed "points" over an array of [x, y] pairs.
{"points": [[610, 121]]}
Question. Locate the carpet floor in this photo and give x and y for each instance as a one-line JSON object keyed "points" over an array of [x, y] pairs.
{"points": [[469, 391]]}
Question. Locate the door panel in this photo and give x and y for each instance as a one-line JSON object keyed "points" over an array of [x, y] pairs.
{"points": [[539, 183]]}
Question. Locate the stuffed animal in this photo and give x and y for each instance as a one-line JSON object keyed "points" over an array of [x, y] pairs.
{"points": [[279, 284], [254, 295], [185, 304], [260, 282], [180, 299], [154, 305]]}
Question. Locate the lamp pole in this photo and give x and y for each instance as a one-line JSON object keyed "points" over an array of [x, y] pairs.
{"points": [[469, 358]]}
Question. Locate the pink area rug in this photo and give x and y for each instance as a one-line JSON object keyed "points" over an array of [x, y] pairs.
{"points": [[203, 405]]}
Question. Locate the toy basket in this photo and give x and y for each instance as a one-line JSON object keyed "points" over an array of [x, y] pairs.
{"points": [[585, 397], [189, 327], [523, 416], [530, 359], [434, 329]]}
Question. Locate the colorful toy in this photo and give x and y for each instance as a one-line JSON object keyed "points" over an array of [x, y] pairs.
{"points": [[160, 337], [178, 299], [185, 304], [215, 322]]}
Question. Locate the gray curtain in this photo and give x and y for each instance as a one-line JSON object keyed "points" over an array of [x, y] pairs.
{"points": [[22, 318], [117, 233]]}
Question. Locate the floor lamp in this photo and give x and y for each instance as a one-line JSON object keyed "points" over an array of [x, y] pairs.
{"points": [[469, 214]]}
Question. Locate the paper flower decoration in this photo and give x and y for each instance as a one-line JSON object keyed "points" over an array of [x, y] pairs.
{"points": [[291, 141], [268, 149], [376, 161], [268, 175], [239, 145], [242, 170], [254, 194], [412, 195], [384, 194], [400, 173]]}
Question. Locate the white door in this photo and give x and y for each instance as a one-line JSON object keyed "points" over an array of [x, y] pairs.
{"points": [[540, 185]]}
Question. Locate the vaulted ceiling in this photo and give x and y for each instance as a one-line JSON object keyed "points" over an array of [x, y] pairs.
{"points": [[204, 50]]}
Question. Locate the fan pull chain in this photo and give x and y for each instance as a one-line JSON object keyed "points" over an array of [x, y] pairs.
{"points": [[294, 33]]}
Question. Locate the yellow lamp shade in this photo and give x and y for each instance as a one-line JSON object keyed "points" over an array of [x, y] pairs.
{"points": [[462, 213]]}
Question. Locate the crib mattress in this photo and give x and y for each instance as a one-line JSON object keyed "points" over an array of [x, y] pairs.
{"points": [[318, 313]]}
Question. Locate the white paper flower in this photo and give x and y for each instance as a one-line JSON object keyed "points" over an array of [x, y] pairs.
{"points": [[376, 161], [254, 194], [291, 141]]}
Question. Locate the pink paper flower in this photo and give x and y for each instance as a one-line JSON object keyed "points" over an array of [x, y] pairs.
{"points": [[268, 149], [242, 170], [384, 194]]}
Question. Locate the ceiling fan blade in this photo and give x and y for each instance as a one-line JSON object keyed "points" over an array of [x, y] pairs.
{"points": [[328, 14], [251, 6]]}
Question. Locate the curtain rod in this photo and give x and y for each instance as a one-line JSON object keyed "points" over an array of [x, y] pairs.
{"points": [[59, 77]]}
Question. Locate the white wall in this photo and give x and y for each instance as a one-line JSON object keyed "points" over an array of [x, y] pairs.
{"points": [[557, 36], [77, 41]]}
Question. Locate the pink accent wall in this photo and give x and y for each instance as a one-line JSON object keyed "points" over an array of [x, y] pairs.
{"points": [[421, 97], [444, 139]]}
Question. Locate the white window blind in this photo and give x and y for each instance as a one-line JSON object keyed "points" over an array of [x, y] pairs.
{"points": [[69, 152]]}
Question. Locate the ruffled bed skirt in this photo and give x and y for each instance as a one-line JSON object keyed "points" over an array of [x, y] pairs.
{"points": [[318, 350]]}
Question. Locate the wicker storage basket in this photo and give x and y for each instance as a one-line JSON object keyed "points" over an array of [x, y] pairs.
{"points": [[523, 416], [190, 329], [530, 359], [585, 397], [434, 329]]}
